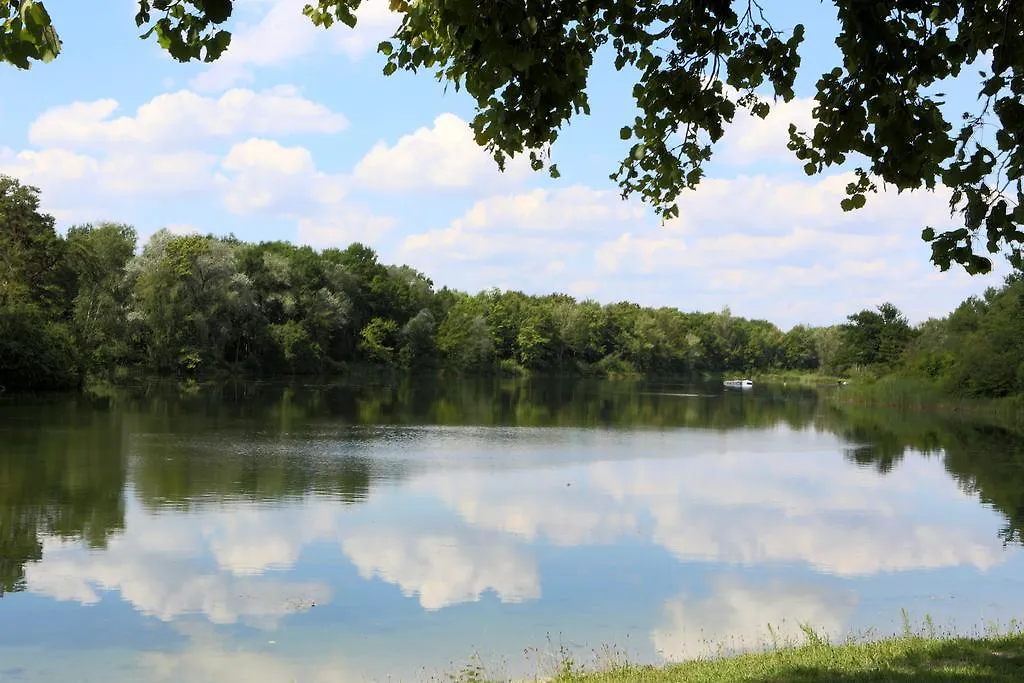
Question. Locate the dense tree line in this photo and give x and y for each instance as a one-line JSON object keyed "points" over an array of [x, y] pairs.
{"points": [[92, 303], [976, 351]]}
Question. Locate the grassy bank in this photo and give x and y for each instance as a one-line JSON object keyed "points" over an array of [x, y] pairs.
{"points": [[905, 659], [926, 653], [797, 377], [917, 395]]}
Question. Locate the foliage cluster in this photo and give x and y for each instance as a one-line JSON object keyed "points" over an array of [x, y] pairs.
{"points": [[90, 302], [186, 305]]}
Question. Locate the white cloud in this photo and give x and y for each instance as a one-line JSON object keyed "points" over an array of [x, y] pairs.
{"points": [[264, 175], [77, 187], [250, 542], [171, 175], [437, 249], [183, 118], [196, 652], [763, 204], [768, 247], [268, 155], [47, 167], [155, 567], [374, 22], [443, 568], [732, 501], [750, 139], [779, 249], [650, 254], [849, 523], [207, 659], [738, 616], [282, 34], [444, 157], [569, 209], [641, 253], [343, 225], [531, 230], [563, 515]]}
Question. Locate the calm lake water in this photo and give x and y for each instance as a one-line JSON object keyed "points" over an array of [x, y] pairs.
{"points": [[263, 533]]}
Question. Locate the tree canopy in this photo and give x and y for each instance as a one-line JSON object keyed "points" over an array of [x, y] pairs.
{"points": [[89, 304], [697, 63]]}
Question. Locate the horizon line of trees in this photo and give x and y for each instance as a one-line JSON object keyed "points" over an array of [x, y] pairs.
{"points": [[91, 303]]}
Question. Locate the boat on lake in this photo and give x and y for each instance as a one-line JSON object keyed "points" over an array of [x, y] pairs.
{"points": [[739, 383]]}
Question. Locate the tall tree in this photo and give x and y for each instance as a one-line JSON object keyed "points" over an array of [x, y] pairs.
{"points": [[876, 337], [31, 252], [188, 296], [36, 347], [97, 256]]}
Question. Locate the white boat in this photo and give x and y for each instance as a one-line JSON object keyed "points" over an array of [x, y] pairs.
{"points": [[739, 383]]}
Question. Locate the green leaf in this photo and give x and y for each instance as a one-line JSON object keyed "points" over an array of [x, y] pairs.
{"points": [[625, 133], [218, 11], [390, 68], [385, 48], [346, 16], [810, 168]]}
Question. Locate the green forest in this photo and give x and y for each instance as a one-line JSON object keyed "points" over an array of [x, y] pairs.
{"points": [[95, 303]]}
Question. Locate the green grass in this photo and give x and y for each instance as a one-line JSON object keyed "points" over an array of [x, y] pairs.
{"points": [[922, 655], [797, 377], [904, 659], [915, 395]]}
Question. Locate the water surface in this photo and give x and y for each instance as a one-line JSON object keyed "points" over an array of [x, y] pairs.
{"points": [[258, 533]]}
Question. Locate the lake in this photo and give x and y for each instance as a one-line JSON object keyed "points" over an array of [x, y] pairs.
{"points": [[270, 533]]}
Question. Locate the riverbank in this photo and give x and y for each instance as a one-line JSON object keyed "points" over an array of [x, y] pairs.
{"points": [[798, 377], [914, 395], [904, 659]]}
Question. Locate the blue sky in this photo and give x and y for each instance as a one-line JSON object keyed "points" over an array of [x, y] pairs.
{"points": [[296, 135]]}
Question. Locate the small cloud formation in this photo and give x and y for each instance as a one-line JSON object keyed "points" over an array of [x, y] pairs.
{"points": [[802, 511], [156, 567], [562, 516], [738, 616], [208, 657], [849, 524], [183, 117], [531, 229], [80, 187], [750, 139], [266, 176], [574, 208], [374, 22], [342, 226], [443, 568], [277, 33], [442, 157]]}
